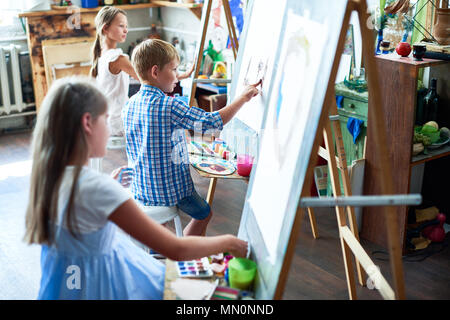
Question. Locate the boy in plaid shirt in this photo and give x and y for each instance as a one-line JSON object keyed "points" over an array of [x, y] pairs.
{"points": [[154, 126]]}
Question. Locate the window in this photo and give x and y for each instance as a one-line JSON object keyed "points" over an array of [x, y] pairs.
{"points": [[10, 25]]}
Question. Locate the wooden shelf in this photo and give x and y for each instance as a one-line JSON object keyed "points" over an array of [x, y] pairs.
{"points": [[410, 60], [195, 8], [432, 154], [176, 4]]}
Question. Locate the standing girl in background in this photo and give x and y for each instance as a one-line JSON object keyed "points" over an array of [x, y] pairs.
{"points": [[111, 67], [74, 212]]}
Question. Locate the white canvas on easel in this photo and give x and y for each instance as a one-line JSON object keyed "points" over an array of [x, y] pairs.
{"points": [[288, 113], [257, 58], [270, 243], [263, 222]]}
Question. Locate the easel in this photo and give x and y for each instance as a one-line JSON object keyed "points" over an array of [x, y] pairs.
{"points": [[200, 47], [349, 242], [338, 164]]}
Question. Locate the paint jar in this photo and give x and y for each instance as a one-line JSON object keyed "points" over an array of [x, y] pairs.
{"points": [[220, 150], [241, 273], [244, 164]]}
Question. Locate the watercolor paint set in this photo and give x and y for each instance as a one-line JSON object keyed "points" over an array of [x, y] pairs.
{"points": [[199, 268]]}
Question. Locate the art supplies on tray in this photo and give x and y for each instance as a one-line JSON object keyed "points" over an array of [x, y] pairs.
{"points": [[217, 149], [199, 268], [215, 158]]}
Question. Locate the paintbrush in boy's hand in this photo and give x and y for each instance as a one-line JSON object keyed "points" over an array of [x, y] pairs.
{"points": [[257, 84]]}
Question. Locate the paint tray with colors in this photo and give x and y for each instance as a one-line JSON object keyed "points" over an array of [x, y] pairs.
{"points": [[199, 268]]}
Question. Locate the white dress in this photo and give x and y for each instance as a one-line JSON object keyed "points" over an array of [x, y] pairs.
{"points": [[101, 262], [115, 87]]}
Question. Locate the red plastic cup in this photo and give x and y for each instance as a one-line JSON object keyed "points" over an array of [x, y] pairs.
{"points": [[244, 164]]}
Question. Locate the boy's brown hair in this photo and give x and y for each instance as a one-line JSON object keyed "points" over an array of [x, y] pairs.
{"points": [[152, 52]]}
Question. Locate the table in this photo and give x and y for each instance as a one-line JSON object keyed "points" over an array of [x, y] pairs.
{"points": [[213, 88], [213, 181]]}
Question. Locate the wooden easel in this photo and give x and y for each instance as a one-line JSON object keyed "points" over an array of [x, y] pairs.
{"points": [[349, 242], [339, 164], [200, 47]]}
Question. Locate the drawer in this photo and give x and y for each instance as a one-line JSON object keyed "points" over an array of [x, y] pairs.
{"points": [[354, 108]]}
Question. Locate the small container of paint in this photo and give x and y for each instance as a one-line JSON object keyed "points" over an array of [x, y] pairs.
{"points": [[217, 142], [244, 164], [241, 273]]}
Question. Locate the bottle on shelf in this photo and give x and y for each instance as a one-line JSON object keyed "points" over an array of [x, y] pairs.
{"points": [[154, 33], [431, 103]]}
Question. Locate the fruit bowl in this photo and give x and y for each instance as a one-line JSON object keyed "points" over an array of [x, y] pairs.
{"points": [[439, 143]]}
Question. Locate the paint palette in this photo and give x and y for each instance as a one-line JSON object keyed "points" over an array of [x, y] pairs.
{"points": [[199, 268], [212, 165]]}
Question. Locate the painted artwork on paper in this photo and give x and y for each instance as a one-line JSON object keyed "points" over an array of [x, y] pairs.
{"points": [[286, 123], [218, 29], [257, 59]]}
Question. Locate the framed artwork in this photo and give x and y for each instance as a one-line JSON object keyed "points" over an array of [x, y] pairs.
{"points": [[349, 49]]}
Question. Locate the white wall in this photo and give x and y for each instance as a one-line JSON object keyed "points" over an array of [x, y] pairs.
{"points": [[176, 22]]}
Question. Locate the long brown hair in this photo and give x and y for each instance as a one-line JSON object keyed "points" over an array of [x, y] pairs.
{"points": [[103, 18], [57, 139]]}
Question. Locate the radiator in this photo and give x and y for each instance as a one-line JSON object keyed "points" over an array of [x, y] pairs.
{"points": [[12, 100]]}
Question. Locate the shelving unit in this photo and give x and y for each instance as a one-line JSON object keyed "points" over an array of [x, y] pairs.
{"points": [[196, 8], [443, 151], [398, 83], [56, 24]]}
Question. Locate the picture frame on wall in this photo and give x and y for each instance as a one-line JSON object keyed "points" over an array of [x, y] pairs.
{"points": [[349, 49]]}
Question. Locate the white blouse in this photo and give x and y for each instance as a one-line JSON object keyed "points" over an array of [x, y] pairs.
{"points": [[115, 87]]}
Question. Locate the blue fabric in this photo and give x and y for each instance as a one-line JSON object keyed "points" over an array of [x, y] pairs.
{"points": [[195, 206], [354, 127], [156, 147], [339, 100], [107, 264]]}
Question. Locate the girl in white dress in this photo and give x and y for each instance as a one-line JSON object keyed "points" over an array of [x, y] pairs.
{"points": [[111, 67], [74, 212]]}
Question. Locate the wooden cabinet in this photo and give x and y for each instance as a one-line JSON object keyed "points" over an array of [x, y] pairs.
{"points": [[354, 105], [398, 86]]}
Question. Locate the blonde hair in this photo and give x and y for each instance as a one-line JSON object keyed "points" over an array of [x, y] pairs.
{"points": [[103, 18], [152, 52], [57, 139]]}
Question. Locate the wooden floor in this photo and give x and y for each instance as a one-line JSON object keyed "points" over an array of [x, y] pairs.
{"points": [[317, 270]]}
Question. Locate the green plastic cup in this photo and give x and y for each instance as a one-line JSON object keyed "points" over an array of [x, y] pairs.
{"points": [[241, 273]]}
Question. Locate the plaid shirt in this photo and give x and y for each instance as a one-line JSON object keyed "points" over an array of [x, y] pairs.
{"points": [[154, 126]]}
